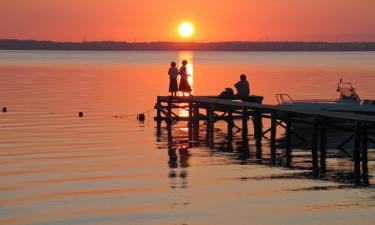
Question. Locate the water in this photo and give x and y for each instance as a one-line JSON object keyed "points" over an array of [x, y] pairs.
{"points": [[57, 168]]}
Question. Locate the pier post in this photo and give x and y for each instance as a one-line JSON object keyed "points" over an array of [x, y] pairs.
{"points": [[357, 154], [158, 115], [210, 125], [273, 137], [365, 156], [190, 122], [288, 140], [169, 121], [314, 149], [244, 127], [323, 146], [196, 122], [209, 117], [258, 133], [230, 126]]}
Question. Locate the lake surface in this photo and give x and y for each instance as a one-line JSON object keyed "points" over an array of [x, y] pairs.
{"points": [[108, 168]]}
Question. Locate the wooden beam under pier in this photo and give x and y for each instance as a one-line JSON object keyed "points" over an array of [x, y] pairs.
{"points": [[323, 145], [314, 150], [258, 133], [357, 154], [288, 140], [245, 118], [364, 143], [273, 137]]}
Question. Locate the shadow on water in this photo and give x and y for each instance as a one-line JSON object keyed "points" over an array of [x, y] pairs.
{"points": [[235, 150]]}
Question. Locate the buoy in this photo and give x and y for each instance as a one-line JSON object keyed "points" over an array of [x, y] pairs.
{"points": [[80, 114], [141, 117], [4, 109]]}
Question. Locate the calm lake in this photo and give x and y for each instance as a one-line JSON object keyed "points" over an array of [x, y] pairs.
{"points": [[108, 168]]}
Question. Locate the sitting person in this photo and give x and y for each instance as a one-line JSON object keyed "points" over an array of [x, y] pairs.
{"points": [[242, 87]]}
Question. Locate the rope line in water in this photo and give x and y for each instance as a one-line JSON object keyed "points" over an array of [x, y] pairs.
{"points": [[125, 116], [122, 116]]}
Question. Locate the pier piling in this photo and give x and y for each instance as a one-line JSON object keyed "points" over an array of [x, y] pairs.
{"points": [[245, 117], [288, 141], [314, 149], [258, 133], [365, 156], [190, 122], [169, 121], [230, 125], [196, 122], [210, 124], [273, 138], [357, 154], [322, 145]]}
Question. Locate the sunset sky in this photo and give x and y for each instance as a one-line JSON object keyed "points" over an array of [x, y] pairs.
{"points": [[214, 20]]}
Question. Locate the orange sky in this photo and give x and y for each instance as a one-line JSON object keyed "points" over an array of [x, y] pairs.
{"points": [[215, 20]]}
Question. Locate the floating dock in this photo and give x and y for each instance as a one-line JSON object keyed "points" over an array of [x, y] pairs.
{"points": [[212, 109]]}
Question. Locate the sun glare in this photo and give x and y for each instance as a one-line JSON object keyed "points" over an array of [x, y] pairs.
{"points": [[186, 29]]}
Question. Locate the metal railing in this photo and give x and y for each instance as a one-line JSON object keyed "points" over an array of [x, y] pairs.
{"points": [[285, 99]]}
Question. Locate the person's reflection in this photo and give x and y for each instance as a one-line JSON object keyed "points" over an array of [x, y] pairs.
{"points": [[178, 161], [184, 156], [172, 162], [172, 158]]}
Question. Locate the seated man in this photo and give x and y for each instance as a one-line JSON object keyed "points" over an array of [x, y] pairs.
{"points": [[243, 87]]}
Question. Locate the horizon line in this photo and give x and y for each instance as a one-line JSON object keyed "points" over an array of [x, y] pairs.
{"points": [[181, 42]]}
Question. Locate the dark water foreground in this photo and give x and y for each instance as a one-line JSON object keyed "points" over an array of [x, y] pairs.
{"points": [[62, 169]]}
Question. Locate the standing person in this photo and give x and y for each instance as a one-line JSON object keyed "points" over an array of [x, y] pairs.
{"points": [[184, 83], [173, 73], [243, 87]]}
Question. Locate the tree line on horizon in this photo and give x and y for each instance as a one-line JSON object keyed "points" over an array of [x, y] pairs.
{"points": [[13, 44]]}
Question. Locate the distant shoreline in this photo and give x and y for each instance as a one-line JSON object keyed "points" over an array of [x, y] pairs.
{"points": [[13, 44]]}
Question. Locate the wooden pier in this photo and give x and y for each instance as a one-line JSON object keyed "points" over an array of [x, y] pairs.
{"points": [[211, 109]]}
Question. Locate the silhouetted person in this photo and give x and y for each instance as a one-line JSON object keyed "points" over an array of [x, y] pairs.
{"points": [[173, 73], [184, 83], [243, 87]]}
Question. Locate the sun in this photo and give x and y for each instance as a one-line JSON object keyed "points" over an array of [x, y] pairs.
{"points": [[186, 29]]}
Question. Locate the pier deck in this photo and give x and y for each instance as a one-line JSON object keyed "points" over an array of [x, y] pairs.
{"points": [[207, 108]]}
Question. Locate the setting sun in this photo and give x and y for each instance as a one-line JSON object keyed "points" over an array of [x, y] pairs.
{"points": [[186, 29]]}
